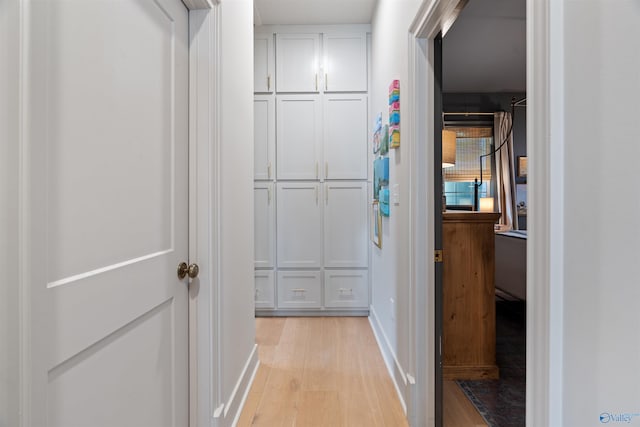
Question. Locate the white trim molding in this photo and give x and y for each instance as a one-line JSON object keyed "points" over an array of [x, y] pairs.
{"points": [[422, 284], [199, 4], [433, 17], [397, 373], [545, 242], [545, 217], [233, 408], [204, 186]]}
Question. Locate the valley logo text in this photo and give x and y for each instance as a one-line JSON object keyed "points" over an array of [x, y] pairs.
{"points": [[620, 417]]}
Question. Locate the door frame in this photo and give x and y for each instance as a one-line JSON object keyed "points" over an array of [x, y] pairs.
{"points": [[205, 368], [204, 194], [544, 244]]}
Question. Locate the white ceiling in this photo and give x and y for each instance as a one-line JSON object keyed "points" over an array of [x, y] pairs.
{"points": [[313, 12], [485, 49]]}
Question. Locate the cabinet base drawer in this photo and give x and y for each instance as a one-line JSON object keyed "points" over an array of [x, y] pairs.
{"points": [[346, 289], [299, 289], [264, 289]]}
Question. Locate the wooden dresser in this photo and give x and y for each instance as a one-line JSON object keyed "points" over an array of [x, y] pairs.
{"points": [[468, 295]]}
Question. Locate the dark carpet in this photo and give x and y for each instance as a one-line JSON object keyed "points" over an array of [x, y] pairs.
{"points": [[502, 402]]}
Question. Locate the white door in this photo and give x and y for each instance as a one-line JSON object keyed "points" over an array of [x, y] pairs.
{"points": [[298, 136], [345, 224], [263, 63], [105, 134], [264, 136], [299, 225], [345, 62], [297, 62], [264, 224], [345, 136]]}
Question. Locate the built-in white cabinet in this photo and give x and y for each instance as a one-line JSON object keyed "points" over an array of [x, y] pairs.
{"points": [[265, 289], [311, 163], [264, 64], [299, 289], [299, 137], [344, 139], [299, 224], [346, 289], [345, 62], [297, 62], [345, 224], [264, 137], [264, 224]]}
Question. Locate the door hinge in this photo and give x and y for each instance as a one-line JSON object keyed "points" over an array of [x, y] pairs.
{"points": [[437, 255]]}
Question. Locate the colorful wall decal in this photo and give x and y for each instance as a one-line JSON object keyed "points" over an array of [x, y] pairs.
{"points": [[394, 114], [380, 175], [384, 201], [377, 134]]}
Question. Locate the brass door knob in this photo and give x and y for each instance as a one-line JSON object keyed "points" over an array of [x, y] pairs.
{"points": [[193, 271], [190, 270], [182, 270]]}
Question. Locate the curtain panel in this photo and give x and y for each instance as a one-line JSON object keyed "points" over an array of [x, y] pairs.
{"points": [[505, 170]]}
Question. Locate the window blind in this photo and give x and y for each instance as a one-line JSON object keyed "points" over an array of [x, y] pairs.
{"points": [[471, 143]]}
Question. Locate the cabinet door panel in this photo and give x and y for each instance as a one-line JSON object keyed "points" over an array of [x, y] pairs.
{"points": [[264, 223], [298, 137], [345, 59], [299, 289], [297, 57], [263, 68], [264, 289], [346, 289], [345, 136], [299, 225], [264, 136], [345, 224]]}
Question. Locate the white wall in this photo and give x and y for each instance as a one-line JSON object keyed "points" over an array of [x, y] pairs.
{"points": [[8, 214], [390, 265], [236, 187], [601, 88]]}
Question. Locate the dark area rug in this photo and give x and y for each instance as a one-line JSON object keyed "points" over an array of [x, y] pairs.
{"points": [[502, 402]]}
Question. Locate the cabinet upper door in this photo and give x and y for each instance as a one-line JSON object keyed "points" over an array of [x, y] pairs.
{"points": [[299, 135], [297, 62], [345, 136], [264, 63], [345, 224], [299, 225], [345, 62], [264, 224], [264, 136]]}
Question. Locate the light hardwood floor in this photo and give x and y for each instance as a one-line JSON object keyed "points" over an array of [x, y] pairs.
{"points": [[324, 371], [457, 410], [328, 372]]}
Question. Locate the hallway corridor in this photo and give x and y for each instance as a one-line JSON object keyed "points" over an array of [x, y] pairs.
{"points": [[325, 371]]}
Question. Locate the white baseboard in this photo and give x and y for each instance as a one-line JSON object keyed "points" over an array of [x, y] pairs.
{"points": [[233, 408], [397, 373]]}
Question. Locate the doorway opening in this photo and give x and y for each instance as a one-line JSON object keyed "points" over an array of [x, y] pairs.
{"points": [[483, 103]]}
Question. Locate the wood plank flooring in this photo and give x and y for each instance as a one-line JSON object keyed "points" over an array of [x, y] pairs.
{"points": [[328, 372], [324, 372], [458, 411]]}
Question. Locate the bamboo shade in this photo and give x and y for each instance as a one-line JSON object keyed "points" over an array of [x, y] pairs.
{"points": [[471, 143]]}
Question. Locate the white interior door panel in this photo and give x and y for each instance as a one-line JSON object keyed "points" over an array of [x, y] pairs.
{"points": [[105, 126]]}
